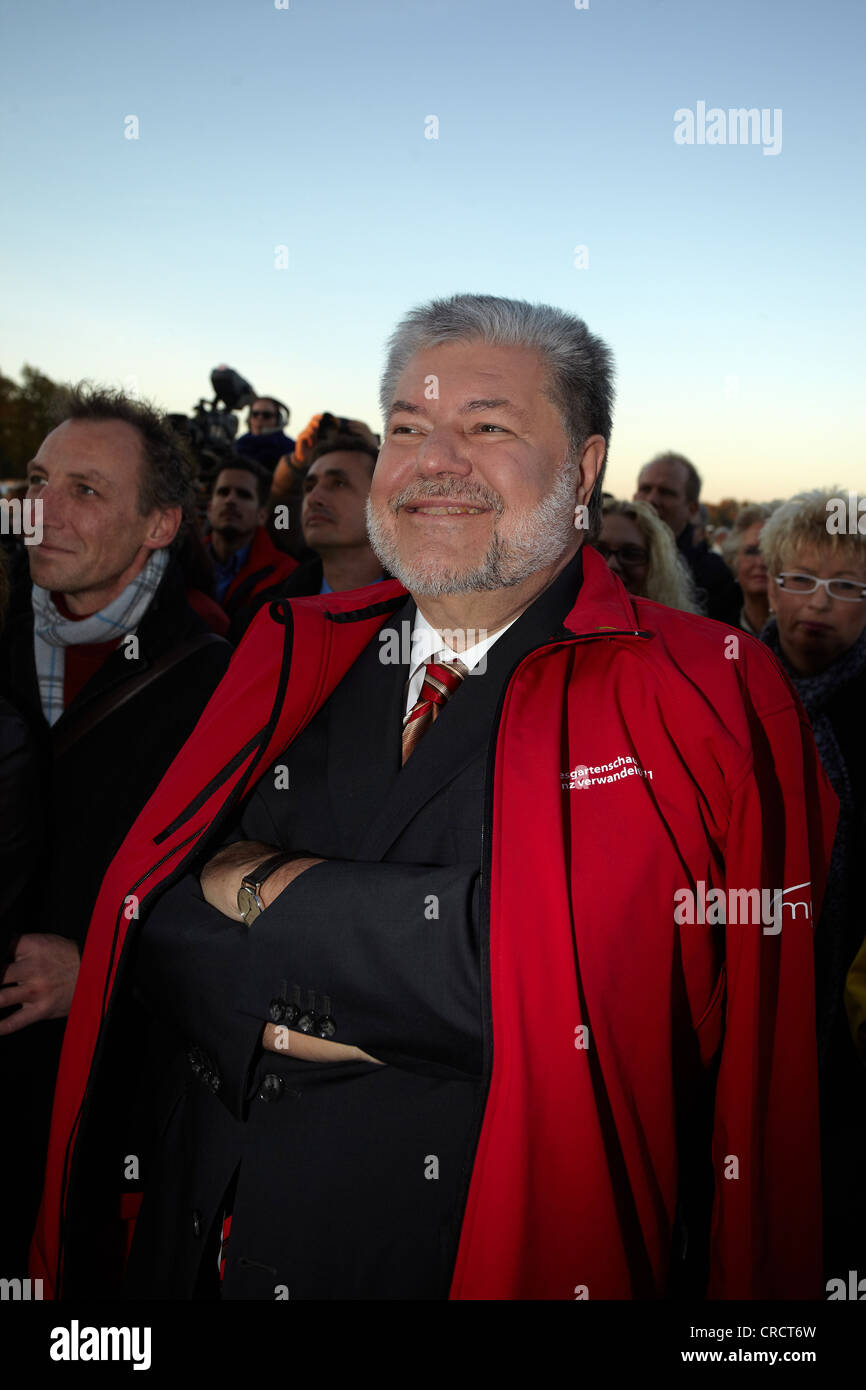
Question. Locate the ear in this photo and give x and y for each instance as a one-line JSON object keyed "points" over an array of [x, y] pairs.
{"points": [[261, 516], [164, 526], [694, 509], [591, 461]]}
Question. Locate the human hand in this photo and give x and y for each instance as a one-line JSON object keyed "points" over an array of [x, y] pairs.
{"points": [[41, 979], [288, 1042], [221, 877]]}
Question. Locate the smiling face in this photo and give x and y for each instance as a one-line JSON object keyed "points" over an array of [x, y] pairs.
{"points": [[815, 629], [95, 540], [336, 488], [473, 489]]}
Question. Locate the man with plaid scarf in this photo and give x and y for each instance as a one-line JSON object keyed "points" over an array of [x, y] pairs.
{"points": [[110, 667]]}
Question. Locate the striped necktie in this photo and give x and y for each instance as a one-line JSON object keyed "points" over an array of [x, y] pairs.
{"points": [[441, 679]]}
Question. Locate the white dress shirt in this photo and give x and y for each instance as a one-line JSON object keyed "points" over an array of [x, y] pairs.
{"points": [[427, 643]]}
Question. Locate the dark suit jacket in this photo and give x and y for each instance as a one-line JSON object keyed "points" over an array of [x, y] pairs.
{"points": [[344, 1180]]}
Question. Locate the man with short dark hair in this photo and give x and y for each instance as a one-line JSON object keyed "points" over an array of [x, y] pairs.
{"points": [[671, 484], [410, 903], [111, 668], [245, 559], [333, 517], [335, 489]]}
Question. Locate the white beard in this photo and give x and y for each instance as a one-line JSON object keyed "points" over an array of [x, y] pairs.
{"points": [[539, 539]]}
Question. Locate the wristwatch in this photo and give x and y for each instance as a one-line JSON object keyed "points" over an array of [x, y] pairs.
{"points": [[250, 904]]}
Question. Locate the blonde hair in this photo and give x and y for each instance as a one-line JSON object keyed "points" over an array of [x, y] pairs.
{"points": [[804, 521], [669, 580]]}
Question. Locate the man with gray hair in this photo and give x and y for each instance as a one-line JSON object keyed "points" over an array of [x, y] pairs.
{"points": [[406, 903]]}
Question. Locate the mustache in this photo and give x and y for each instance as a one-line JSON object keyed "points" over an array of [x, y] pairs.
{"points": [[458, 495]]}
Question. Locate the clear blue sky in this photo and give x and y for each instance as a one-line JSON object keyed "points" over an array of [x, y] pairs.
{"points": [[729, 283]]}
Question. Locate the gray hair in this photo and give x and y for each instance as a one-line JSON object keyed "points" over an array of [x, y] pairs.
{"points": [[580, 365]]}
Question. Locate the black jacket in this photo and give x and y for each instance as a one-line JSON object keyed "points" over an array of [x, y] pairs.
{"points": [[90, 794], [21, 836], [719, 590], [96, 787], [301, 583]]}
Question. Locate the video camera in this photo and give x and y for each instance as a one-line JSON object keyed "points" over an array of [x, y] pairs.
{"points": [[211, 428]]}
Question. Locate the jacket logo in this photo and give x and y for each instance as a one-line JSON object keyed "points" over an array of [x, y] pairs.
{"points": [[583, 776]]}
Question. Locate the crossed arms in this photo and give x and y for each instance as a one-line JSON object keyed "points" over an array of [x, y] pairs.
{"points": [[220, 879], [402, 976]]}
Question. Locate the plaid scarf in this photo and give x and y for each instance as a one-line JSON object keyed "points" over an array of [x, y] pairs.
{"points": [[52, 633]]}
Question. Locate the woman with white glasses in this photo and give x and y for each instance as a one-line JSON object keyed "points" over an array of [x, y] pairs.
{"points": [[817, 596]]}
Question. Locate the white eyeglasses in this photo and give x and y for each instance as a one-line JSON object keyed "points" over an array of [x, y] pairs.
{"points": [[845, 589]]}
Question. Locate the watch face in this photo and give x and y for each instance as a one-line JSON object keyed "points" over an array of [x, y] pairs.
{"points": [[249, 904]]}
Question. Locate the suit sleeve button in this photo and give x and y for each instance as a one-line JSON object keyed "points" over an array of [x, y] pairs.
{"points": [[271, 1088]]}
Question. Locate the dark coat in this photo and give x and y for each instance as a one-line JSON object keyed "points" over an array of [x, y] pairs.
{"points": [[265, 567], [90, 794], [719, 590], [301, 583], [96, 787], [20, 824]]}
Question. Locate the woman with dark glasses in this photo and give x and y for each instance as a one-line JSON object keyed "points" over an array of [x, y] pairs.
{"points": [[640, 549]]}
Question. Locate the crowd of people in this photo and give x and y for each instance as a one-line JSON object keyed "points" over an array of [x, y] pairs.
{"points": [[136, 639]]}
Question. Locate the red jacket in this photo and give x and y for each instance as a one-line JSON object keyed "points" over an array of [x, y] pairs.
{"points": [[265, 566], [649, 753]]}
